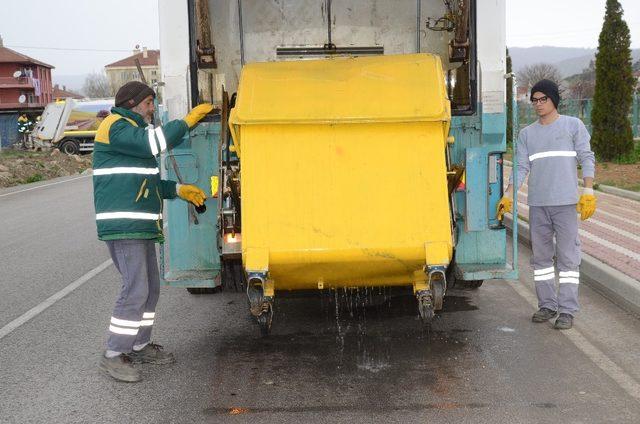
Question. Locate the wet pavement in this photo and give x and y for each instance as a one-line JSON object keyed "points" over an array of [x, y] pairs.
{"points": [[331, 358]]}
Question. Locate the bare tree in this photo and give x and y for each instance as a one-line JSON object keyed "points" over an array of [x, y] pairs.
{"points": [[97, 85], [582, 86], [531, 74]]}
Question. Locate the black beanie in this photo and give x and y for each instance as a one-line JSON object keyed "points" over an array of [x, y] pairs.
{"points": [[549, 88], [132, 93]]}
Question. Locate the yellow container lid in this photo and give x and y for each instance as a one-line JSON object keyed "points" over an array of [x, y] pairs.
{"points": [[394, 88]]}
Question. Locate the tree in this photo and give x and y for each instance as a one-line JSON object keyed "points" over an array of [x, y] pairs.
{"points": [[97, 85], [582, 85], [529, 75], [612, 137]]}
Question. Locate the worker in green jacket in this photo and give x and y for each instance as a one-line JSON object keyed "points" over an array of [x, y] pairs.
{"points": [[128, 195]]}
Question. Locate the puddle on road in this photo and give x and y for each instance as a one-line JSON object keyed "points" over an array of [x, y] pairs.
{"points": [[343, 345]]}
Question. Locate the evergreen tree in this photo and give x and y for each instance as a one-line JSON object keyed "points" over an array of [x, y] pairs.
{"points": [[612, 136]]}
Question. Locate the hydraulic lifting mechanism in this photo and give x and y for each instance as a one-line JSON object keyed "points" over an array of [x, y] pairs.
{"points": [[300, 221]]}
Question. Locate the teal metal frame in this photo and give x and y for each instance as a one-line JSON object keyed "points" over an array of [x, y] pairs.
{"points": [[190, 257], [481, 240]]}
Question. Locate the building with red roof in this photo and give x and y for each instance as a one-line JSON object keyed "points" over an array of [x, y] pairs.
{"points": [[62, 93], [25, 82]]}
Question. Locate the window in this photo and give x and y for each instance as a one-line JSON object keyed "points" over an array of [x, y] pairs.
{"points": [[153, 81], [154, 73]]}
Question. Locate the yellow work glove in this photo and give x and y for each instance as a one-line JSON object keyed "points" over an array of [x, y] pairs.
{"points": [[587, 204], [191, 193], [197, 113], [505, 205]]}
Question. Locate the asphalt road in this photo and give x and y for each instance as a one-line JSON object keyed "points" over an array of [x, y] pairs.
{"points": [[482, 361]]}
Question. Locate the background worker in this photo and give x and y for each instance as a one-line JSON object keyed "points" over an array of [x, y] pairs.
{"points": [[128, 196], [25, 126], [549, 150]]}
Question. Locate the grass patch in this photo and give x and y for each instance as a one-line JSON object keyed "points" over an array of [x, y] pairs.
{"points": [[11, 153], [20, 154], [631, 157], [33, 178]]}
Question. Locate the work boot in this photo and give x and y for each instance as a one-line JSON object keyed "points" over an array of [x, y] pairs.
{"points": [[152, 354], [564, 322], [543, 315], [120, 368]]}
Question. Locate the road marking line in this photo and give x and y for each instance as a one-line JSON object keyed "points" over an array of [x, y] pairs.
{"points": [[602, 361], [44, 185], [35, 311]]}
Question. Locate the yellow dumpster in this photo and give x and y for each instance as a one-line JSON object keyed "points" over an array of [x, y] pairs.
{"points": [[343, 173]]}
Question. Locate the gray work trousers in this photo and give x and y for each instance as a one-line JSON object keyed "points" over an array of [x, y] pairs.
{"points": [[134, 313], [562, 222]]}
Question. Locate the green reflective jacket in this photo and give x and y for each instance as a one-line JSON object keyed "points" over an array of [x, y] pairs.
{"points": [[127, 189]]}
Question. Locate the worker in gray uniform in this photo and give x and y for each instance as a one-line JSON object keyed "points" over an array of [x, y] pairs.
{"points": [[549, 151]]}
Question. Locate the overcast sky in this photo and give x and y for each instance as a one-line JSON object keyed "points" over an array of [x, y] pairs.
{"points": [[102, 31], [564, 23], [81, 36]]}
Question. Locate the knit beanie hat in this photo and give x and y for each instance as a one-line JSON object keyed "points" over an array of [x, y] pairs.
{"points": [[132, 93], [549, 88]]}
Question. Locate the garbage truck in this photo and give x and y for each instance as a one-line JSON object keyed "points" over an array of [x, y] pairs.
{"points": [[70, 125], [355, 144]]}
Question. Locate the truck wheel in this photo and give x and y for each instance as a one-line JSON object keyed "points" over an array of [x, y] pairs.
{"points": [[70, 147]]}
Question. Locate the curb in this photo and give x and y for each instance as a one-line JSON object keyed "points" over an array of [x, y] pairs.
{"points": [[621, 289], [619, 192], [633, 195]]}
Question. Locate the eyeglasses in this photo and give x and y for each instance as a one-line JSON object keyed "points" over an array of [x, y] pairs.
{"points": [[542, 100]]}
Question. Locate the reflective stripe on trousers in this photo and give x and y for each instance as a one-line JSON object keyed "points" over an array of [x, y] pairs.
{"points": [[561, 222], [134, 312]]}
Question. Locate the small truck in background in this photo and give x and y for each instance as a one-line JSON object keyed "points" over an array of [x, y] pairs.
{"points": [[70, 125]]}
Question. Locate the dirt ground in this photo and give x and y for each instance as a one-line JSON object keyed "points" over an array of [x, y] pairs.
{"points": [[617, 175], [23, 167]]}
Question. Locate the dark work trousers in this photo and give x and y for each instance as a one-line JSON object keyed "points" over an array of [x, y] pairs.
{"points": [[545, 223], [134, 313]]}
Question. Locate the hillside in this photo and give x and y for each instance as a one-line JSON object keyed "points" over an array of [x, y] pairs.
{"points": [[569, 60]]}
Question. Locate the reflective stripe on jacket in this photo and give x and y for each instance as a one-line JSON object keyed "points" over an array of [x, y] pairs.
{"points": [[127, 188]]}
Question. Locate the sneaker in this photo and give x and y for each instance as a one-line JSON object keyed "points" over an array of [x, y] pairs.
{"points": [[543, 315], [564, 322], [120, 368], [152, 354]]}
